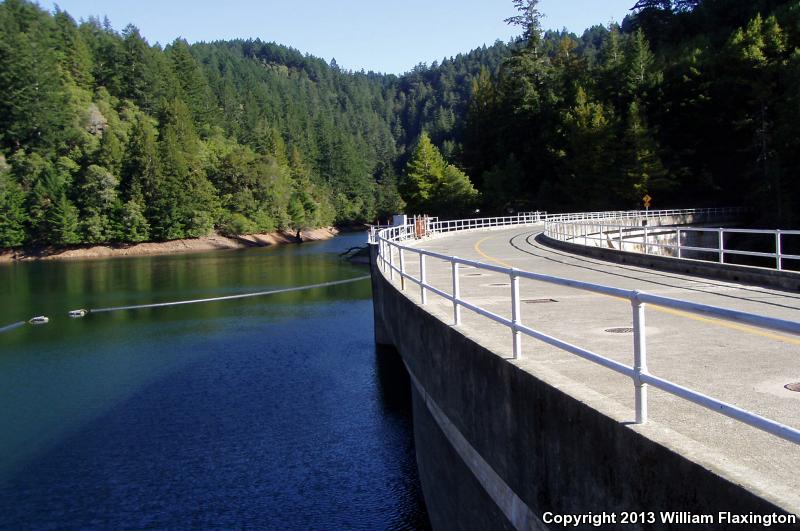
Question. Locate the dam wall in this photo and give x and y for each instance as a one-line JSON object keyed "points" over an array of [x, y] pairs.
{"points": [[499, 448]]}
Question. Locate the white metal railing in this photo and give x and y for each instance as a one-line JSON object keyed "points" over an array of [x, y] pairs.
{"points": [[392, 259], [435, 226], [616, 234]]}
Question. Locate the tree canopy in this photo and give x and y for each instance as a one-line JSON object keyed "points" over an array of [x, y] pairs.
{"points": [[431, 185], [106, 138]]}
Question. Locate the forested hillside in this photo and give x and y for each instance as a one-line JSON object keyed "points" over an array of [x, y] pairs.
{"points": [[694, 102], [106, 138]]}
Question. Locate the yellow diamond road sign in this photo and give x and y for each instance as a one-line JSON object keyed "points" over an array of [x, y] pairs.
{"points": [[646, 200]]}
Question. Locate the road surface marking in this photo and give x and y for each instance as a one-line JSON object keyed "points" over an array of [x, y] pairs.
{"points": [[710, 320]]}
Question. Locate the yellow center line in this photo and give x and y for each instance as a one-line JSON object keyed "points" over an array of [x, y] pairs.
{"points": [[678, 313]]}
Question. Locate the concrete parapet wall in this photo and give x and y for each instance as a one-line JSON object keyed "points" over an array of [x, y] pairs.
{"points": [[498, 447], [633, 235], [772, 278]]}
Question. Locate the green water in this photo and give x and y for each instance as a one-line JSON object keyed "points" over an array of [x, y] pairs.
{"points": [[106, 418], [62, 372]]}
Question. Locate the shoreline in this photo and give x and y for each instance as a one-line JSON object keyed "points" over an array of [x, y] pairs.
{"points": [[214, 242]]}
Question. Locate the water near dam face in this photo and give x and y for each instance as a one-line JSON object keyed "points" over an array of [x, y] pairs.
{"points": [[273, 412]]}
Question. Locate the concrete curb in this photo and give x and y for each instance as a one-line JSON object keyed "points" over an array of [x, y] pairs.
{"points": [[770, 278]]}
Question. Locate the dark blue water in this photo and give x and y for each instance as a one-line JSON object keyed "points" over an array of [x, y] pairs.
{"points": [[274, 413]]}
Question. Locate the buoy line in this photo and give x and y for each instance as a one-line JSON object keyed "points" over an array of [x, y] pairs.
{"points": [[82, 312], [9, 328], [228, 297]]}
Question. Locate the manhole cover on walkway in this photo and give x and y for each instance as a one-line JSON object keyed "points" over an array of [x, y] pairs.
{"points": [[620, 330], [793, 387]]}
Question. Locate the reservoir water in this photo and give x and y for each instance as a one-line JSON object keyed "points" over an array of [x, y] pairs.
{"points": [[273, 412]]}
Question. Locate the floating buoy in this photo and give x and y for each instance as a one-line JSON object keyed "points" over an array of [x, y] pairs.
{"points": [[78, 313], [41, 319]]}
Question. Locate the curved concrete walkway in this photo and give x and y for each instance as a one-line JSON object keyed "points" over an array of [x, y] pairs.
{"points": [[742, 365]]}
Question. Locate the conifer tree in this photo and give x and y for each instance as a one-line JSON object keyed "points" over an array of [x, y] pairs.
{"points": [[194, 86], [99, 201], [107, 54], [12, 210], [389, 200], [642, 170], [75, 56], [141, 171], [588, 163], [33, 101], [639, 60], [133, 226], [62, 222], [423, 171], [137, 73], [111, 152], [431, 186]]}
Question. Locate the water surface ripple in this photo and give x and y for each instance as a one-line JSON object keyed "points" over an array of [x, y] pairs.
{"points": [[275, 413]]}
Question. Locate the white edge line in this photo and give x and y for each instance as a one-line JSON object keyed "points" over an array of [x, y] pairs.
{"points": [[513, 507]]}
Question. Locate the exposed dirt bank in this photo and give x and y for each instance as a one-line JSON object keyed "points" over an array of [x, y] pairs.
{"points": [[207, 243]]}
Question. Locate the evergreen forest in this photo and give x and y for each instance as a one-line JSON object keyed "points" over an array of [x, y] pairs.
{"points": [[105, 138]]}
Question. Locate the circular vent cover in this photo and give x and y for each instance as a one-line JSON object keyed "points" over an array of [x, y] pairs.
{"points": [[620, 330]]}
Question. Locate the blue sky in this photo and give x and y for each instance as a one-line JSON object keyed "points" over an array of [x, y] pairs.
{"points": [[370, 34]]}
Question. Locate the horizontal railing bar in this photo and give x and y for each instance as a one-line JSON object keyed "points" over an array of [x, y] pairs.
{"points": [[773, 323], [677, 304], [770, 232], [586, 229], [586, 354], [656, 229], [752, 419], [427, 286], [390, 237], [596, 288], [462, 261], [714, 250], [583, 353], [439, 292], [751, 253], [486, 313]]}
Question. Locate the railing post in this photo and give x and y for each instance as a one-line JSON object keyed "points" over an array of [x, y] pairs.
{"points": [[646, 250], [391, 263], [721, 246], [639, 358], [620, 238], [678, 243], [456, 294], [516, 335], [778, 250], [402, 270], [423, 279]]}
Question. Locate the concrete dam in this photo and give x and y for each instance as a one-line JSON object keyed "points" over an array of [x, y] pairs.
{"points": [[555, 390]]}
